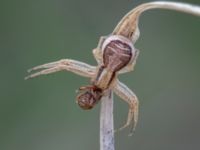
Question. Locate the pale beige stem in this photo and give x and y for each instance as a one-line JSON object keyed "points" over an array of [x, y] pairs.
{"points": [[106, 123]]}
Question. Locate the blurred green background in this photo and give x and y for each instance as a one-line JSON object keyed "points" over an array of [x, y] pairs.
{"points": [[41, 114]]}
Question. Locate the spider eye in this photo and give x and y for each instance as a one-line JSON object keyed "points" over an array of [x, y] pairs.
{"points": [[86, 100]]}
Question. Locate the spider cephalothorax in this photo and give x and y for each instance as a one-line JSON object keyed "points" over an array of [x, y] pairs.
{"points": [[90, 96]]}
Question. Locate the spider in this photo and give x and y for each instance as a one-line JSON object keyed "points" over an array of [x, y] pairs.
{"points": [[115, 54]]}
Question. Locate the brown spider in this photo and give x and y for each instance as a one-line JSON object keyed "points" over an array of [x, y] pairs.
{"points": [[115, 54]]}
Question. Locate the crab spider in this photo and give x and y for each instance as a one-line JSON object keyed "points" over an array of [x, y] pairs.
{"points": [[118, 58], [115, 54]]}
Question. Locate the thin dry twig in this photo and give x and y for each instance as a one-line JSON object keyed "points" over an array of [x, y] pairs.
{"points": [[129, 23], [106, 123]]}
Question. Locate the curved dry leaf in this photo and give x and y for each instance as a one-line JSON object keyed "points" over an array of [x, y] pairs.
{"points": [[128, 26]]}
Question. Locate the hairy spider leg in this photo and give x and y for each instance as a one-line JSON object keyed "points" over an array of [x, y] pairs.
{"points": [[74, 66], [128, 96]]}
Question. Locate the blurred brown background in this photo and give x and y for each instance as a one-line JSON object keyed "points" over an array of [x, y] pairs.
{"points": [[41, 114]]}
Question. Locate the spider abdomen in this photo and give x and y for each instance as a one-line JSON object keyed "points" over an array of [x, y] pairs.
{"points": [[117, 52]]}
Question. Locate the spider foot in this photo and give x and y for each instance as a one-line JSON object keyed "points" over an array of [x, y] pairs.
{"points": [[74, 66], [125, 126], [49, 65], [43, 72]]}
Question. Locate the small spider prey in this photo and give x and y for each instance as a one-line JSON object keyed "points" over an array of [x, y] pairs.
{"points": [[115, 54]]}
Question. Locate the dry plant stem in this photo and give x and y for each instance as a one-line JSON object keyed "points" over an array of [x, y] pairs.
{"points": [[106, 123], [128, 26]]}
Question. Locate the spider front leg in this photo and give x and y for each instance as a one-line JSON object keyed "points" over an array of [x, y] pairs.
{"points": [[128, 96], [74, 66], [131, 65], [97, 52]]}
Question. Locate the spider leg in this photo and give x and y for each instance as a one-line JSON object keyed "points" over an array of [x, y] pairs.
{"points": [[97, 52], [74, 66], [128, 96], [131, 65], [97, 55]]}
